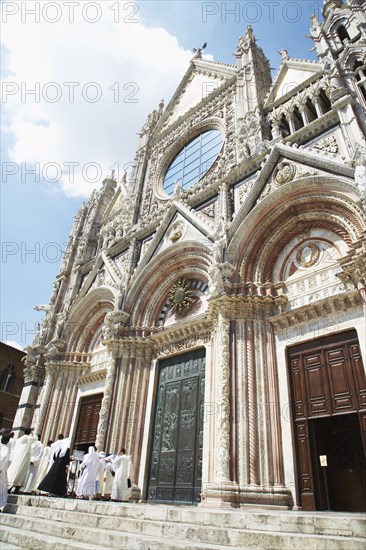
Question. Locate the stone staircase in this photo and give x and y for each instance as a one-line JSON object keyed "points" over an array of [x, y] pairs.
{"points": [[58, 524]]}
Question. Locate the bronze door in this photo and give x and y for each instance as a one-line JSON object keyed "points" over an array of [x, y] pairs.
{"points": [[86, 429], [327, 380], [176, 458]]}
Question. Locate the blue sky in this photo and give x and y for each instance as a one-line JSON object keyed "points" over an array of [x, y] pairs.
{"points": [[121, 58]]}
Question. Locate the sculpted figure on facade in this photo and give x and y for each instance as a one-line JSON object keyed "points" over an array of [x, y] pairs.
{"points": [[60, 322]]}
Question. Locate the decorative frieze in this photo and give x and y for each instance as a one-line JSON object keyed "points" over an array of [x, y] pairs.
{"points": [[326, 308], [92, 377]]}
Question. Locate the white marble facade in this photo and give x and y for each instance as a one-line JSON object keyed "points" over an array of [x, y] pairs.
{"points": [[265, 251]]}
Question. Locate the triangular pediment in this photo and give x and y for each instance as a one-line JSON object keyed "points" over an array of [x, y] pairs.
{"points": [[179, 224], [201, 80], [292, 73], [285, 165]]}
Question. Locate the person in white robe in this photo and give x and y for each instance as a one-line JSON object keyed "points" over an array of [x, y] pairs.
{"points": [[4, 465], [35, 460], [72, 478], [100, 478], [121, 489], [11, 445], [44, 463], [19, 467], [109, 474], [89, 473]]}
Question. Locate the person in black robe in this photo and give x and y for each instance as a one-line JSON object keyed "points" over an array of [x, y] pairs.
{"points": [[55, 482]]}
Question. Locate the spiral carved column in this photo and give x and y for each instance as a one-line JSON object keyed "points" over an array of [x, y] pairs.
{"points": [[252, 407], [106, 404], [222, 469]]}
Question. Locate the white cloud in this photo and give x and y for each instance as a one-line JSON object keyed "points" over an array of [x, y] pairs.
{"points": [[140, 64]]}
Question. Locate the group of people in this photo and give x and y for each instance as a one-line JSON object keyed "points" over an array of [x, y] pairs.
{"points": [[28, 466], [101, 476]]}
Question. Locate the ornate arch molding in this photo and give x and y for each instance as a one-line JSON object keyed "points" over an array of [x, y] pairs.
{"points": [[356, 53], [325, 203], [87, 318], [148, 294]]}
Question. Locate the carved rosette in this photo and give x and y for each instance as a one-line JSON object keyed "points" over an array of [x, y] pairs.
{"points": [[106, 404], [181, 297], [223, 399]]}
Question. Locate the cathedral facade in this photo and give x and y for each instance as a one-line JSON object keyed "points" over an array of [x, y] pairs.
{"points": [[209, 312]]}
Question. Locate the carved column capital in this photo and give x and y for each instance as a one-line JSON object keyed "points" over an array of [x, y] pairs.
{"points": [[353, 274]]}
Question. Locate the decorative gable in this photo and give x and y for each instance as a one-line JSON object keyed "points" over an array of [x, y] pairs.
{"points": [[293, 73], [198, 88], [200, 81], [284, 165], [179, 224]]}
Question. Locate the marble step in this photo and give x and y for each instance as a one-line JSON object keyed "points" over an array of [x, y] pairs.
{"points": [[11, 536], [112, 530], [70, 535], [314, 523], [9, 546]]}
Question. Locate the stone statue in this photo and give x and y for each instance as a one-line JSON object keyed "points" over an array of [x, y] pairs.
{"points": [[61, 318], [284, 54], [42, 307], [198, 51]]}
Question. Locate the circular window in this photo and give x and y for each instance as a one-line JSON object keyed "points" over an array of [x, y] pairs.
{"points": [[193, 161]]}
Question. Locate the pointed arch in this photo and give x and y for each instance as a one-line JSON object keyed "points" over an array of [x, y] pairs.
{"points": [[148, 293], [86, 319], [326, 203]]}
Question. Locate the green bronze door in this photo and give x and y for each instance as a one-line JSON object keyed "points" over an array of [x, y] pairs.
{"points": [[176, 458]]}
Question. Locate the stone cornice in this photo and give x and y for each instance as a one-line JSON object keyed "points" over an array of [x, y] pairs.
{"points": [[248, 307], [326, 308], [199, 329], [319, 125], [91, 377], [66, 367], [224, 69]]}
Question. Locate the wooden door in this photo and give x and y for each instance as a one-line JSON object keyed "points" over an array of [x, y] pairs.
{"points": [[327, 379], [341, 485], [176, 458], [86, 428]]}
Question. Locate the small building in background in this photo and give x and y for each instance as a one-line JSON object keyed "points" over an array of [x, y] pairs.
{"points": [[11, 383]]}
